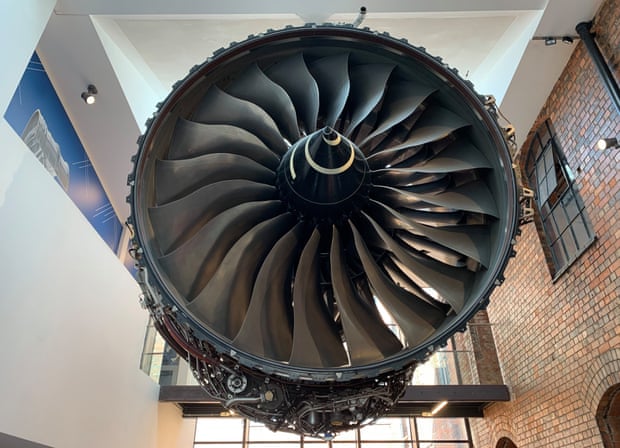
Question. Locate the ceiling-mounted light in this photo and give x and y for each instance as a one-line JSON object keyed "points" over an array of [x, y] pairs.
{"points": [[550, 41], [89, 95], [567, 40], [435, 410], [606, 143]]}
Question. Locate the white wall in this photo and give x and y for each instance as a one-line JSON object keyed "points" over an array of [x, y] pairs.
{"points": [[70, 324]]}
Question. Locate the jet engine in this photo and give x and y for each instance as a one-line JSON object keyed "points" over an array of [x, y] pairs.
{"points": [[315, 211]]}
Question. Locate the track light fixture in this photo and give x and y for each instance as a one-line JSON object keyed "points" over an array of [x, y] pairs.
{"points": [[607, 143], [567, 40], [89, 95], [550, 41]]}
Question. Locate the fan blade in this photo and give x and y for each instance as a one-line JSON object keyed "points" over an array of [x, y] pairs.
{"points": [[223, 302], [368, 339], [435, 124], [435, 219], [267, 328], [218, 107], [253, 85], [432, 249], [401, 100], [177, 178], [367, 86], [332, 76], [293, 75], [456, 157], [191, 266], [176, 222], [472, 197], [405, 282], [316, 342], [406, 178], [416, 318], [392, 157], [451, 283], [472, 241], [192, 139]]}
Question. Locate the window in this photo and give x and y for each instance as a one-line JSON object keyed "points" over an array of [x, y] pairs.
{"points": [[567, 230], [386, 432]]}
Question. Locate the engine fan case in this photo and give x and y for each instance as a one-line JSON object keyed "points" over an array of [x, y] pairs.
{"points": [[248, 280]]}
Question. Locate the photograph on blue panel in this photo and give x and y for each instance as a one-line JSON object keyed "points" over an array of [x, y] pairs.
{"points": [[37, 115]]}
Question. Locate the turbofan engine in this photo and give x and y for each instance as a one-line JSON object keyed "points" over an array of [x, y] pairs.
{"points": [[315, 211]]}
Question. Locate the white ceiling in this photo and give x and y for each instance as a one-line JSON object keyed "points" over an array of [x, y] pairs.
{"points": [[134, 50]]}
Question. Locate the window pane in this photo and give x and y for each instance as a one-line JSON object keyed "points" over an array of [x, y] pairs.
{"points": [[214, 429], [552, 181], [551, 229], [274, 445], [569, 243], [218, 445], [259, 432], [582, 233], [548, 160], [441, 429], [570, 205], [560, 218], [387, 429], [444, 445], [559, 256], [347, 436], [375, 444]]}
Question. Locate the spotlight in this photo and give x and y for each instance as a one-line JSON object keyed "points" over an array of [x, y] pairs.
{"points": [[606, 143], [89, 95], [550, 41], [567, 40], [438, 407]]}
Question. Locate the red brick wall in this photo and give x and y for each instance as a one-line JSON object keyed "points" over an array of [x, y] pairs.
{"points": [[559, 343]]}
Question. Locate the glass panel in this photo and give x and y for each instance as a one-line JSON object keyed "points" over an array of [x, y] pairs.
{"points": [[377, 444], [543, 193], [582, 232], [560, 218], [218, 445], [545, 210], [570, 205], [551, 229], [387, 429], [315, 441], [344, 444], [569, 243], [445, 445], [441, 429], [552, 182], [347, 436], [559, 256], [275, 445], [548, 160], [440, 368], [259, 432], [219, 429]]}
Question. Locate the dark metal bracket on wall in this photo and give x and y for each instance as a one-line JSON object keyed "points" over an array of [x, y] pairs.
{"points": [[583, 29]]}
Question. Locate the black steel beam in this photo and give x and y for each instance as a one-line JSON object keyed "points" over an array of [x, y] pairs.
{"points": [[463, 400], [583, 29]]}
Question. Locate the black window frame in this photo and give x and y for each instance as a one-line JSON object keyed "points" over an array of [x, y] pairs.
{"points": [[567, 229]]}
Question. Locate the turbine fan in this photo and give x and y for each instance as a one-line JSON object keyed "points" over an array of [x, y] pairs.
{"points": [[318, 206]]}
